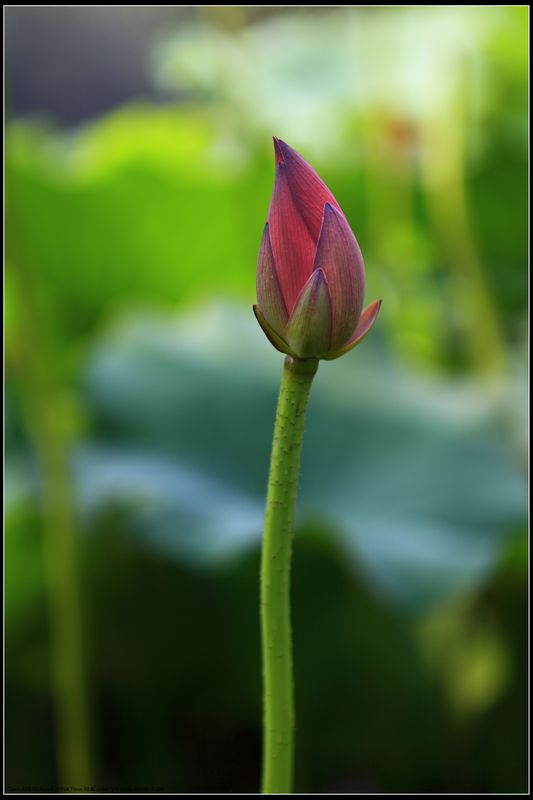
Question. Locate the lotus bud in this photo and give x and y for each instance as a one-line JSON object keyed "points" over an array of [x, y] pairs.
{"points": [[310, 271]]}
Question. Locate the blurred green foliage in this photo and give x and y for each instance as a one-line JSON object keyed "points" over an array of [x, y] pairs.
{"points": [[410, 571]]}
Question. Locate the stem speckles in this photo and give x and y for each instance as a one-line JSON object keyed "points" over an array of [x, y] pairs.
{"points": [[275, 574]]}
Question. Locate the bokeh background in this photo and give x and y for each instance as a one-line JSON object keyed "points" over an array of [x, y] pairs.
{"points": [[140, 397]]}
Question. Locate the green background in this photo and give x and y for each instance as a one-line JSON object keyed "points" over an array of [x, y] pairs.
{"points": [[140, 398]]}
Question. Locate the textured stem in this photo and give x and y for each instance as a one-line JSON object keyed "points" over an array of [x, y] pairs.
{"points": [[278, 707]]}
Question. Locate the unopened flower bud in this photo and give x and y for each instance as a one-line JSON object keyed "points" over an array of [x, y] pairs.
{"points": [[310, 271]]}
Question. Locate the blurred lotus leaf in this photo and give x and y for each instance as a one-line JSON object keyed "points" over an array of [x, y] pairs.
{"points": [[414, 479]]}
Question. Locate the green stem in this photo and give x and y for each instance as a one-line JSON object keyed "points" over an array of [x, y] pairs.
{"points": [[278, 721]]}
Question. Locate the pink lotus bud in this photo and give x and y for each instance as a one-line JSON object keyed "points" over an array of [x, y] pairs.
{"points": [[310, 271]]}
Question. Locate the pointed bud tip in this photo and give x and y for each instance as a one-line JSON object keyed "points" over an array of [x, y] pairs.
{"points": [[277, 148]]}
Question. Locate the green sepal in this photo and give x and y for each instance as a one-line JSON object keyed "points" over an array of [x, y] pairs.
{"points": [[274, 338], [309, 327]]}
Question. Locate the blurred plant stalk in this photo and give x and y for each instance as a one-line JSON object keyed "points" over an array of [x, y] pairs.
{"points": [[43, 405], [443, 168], [393, 150]]}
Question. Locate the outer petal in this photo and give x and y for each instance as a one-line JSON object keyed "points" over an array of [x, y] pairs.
{"points": [[308, 190], [293, 246], [339, 256], [273, 337], [309, 330], [367, 319], [269, 295]]}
